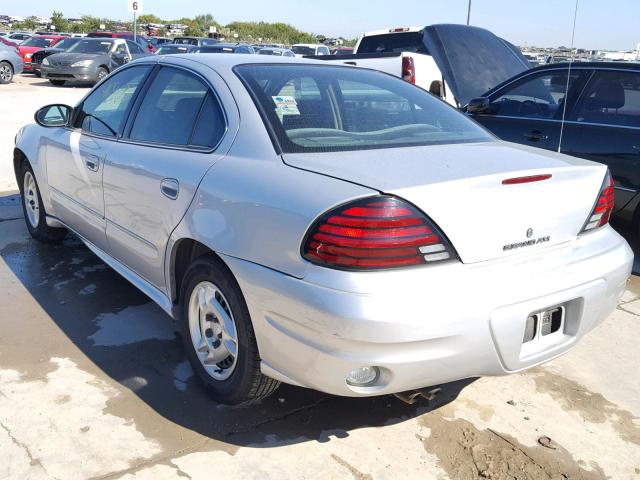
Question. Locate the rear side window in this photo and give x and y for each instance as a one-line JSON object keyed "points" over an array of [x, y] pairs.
{"points": [[611, 98], [172, 105], [316, 108], [393, 43], [134, 48]]}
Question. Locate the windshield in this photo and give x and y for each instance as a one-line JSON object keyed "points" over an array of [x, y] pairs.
{"points": [[393, 43], [320, 108], [66, 43], [91, 46], [266, 51], [37, 42], [301, 50]]}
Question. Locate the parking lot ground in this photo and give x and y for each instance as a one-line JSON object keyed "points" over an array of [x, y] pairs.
{"points": [[19, 100], [94, 384]]}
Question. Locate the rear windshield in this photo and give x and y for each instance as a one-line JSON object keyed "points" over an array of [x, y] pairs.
{"points": [[316, 108], [37, 42], [216, 50], [266, 51], [300, 50], [173, 49], [185, 41], [393, 43], [91, 46]]}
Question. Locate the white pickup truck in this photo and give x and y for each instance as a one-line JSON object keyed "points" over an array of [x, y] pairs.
{"points": [[454, 62]]}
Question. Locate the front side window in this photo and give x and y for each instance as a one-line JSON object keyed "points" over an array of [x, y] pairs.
{"points": [[104, 111], [539, 96], [611, 98], [134, 48], [168, 113], [320, 108]]}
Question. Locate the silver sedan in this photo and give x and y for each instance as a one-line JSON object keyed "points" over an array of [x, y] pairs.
{"points": [[325, 226]]}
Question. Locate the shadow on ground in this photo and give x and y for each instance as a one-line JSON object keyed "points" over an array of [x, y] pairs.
{"points": [[134, 342]]}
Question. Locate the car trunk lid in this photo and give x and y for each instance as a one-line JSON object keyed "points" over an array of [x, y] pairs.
{"points": [[460, 187]]}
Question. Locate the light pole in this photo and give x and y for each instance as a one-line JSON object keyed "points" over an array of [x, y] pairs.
{"points": [[469, 12]]}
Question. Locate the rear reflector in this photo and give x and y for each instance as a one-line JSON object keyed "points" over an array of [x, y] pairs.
{"points": [[601, 212], [408, 70], [378, 232], [529, 179]]}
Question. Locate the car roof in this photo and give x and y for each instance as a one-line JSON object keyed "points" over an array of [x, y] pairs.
{"points": [[225, 63], [593, 65]]}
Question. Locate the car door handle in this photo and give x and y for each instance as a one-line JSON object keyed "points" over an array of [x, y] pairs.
{"points": [[170, 188], [92, 162], [535, 136]]}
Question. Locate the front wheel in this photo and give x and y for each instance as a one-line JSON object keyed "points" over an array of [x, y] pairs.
{"points": [[6, 72], [34, 211], [101, 73], [218, 335]]}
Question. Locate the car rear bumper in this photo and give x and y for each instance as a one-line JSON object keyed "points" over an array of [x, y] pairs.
{"points": [[429, 325], [81, 74]]}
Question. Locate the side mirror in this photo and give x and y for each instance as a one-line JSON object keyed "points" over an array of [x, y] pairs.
{"points": [[479, 105], [57, 115]]}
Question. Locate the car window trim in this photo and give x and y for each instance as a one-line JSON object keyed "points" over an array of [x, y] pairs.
{"points": [[78, 108], [125, 137]]}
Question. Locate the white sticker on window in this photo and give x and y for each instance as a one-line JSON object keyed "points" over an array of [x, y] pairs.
{"points": [[286, 105]]}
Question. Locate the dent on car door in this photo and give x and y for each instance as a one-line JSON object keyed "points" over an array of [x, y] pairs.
{"points": [[76, 156], [528, 110], [151, 177], [604, 127]]}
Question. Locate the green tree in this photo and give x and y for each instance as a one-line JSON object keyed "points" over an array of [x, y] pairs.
{"points": [[150, 18], [193, 30], [59, 22]]}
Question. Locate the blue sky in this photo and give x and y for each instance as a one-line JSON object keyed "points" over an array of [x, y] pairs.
{"points": [[610, 24]]}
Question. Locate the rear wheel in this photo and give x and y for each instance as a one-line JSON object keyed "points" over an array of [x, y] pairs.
{"points": [[218, 335], [34, 211], [57, 83], [6, 72]]}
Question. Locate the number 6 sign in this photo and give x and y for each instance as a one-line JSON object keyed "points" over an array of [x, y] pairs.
{"points": [[134, 6]]}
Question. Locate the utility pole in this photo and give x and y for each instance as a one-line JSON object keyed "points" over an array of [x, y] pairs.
{"points": [[469, 12]]}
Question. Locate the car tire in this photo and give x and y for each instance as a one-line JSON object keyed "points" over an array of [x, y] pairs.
{"points": [[58, 83], [101, 72], [6, 72], [33, 208], [214, 315], [37, 73]]}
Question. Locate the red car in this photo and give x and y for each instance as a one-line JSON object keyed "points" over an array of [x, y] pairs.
{"points": [[33, 44]]}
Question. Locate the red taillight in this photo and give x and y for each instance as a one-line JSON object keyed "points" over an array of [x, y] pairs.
{"points": [[601, 212], [400, 29], [408, 70], [378, 232]]}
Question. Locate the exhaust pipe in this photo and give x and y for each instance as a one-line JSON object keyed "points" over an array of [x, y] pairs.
{"points": [[412, 396]]}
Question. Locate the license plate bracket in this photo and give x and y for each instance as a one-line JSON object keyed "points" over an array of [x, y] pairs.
{"points": [[544, 322]]}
